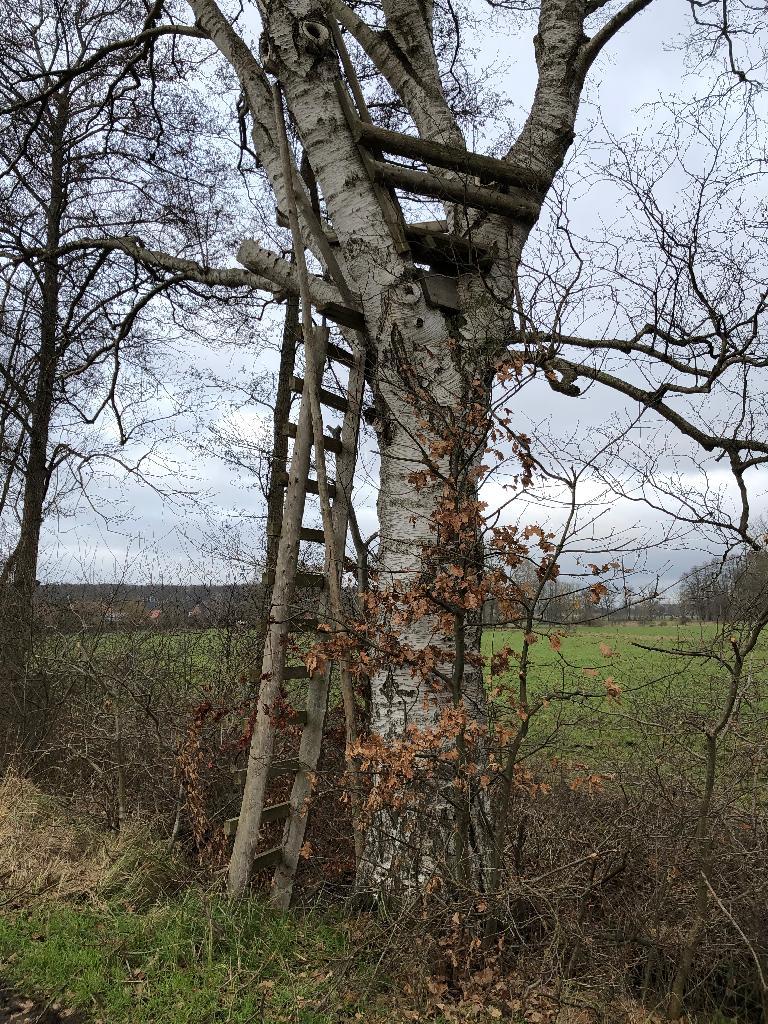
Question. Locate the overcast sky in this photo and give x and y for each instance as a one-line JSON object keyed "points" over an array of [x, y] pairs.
{"points": [[130, 531]]}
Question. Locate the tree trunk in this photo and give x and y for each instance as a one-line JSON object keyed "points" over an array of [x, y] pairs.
{"points": [[29, 699], [439, 831]]}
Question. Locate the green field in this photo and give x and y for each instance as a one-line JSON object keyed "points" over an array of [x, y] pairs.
{"points": [[617, 691], [618, 699], [611, 692]]}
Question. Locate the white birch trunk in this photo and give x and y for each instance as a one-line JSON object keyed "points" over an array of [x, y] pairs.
{"points": [[408, 847]]}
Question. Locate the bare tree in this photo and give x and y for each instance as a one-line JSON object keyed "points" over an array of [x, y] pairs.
{"points": [[90, 148]]}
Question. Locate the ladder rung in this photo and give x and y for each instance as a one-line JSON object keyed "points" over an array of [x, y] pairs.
{"points": [[465, 193], [295, 672], [330, 444], [277, 812], [311, 487], [268, 859], [337, 354], [489, 169], [302, 579], [326, 397], [311, 534], [287, 766], [304, 625], [284, 767]]}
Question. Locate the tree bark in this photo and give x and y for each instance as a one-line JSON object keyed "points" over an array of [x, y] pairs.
{"points": [[28, 701], [409, 340]]}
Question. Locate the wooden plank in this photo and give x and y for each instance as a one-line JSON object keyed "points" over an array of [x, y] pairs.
{"points": [[311, 485], [328, 398], [463, 193], [440, 292], [307, 580], [288, 766], [306, 624], [487, 168], [419, 227], [268, 859], [311, 534], [330, 444], [447, 252], [346, 316], [339, 355], [335, 353], [433, 227], [276, 812]]}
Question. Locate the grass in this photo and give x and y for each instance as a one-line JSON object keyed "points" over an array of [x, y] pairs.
{"points": [[118, 927], [657, 689], [195, 958], [663, 688], [114, 928]]}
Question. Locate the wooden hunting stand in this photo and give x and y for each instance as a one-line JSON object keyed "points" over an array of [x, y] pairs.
{"points": [[474, 181]]}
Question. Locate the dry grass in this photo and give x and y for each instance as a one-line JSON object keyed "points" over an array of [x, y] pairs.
{"points": [[46, 852]]}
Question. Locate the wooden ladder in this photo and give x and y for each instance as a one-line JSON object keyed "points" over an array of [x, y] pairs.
{"points": [[264, 766]]}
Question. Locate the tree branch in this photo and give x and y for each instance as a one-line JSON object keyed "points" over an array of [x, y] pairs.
{"points": [[604, 35]]}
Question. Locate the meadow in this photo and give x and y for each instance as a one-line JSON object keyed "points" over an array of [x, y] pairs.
{"points": [[615, 692], [123, 928], [607, 689]]}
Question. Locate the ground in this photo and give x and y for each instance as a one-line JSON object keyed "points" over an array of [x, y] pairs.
{"points": [[17, 1009], [115, 929]]}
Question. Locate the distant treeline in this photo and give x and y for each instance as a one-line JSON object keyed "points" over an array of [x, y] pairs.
{"points": [[78, 605], [726, 590]]}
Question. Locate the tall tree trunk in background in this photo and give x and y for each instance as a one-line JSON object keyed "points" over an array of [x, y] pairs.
{"points": [[27, 706]]}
